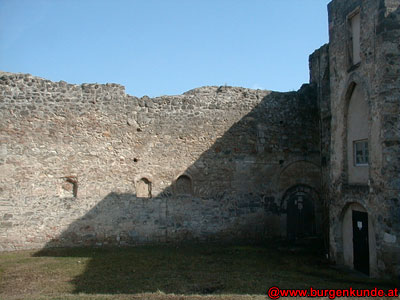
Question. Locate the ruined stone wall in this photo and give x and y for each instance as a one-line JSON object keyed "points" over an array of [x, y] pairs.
{"points": [[320, 79], [77, 163], [378, 76]]}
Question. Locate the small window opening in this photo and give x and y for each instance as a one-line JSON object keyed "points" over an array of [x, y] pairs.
{"points": [[361, 155], [143, 188], [355, 20], [183, 185]]}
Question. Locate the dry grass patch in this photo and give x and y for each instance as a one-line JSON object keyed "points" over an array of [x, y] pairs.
{"points": [[170, 272]]}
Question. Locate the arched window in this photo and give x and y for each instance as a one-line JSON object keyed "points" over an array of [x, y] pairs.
{"points": [[183, 185], [357, 137], [143, 188]]}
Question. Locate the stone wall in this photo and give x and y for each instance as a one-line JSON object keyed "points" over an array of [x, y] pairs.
{"points": [[378, 76], [320, 79], [78, 162], [88, 164]]}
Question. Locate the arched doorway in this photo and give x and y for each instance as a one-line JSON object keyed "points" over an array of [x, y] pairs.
{"points": [[300, 208]]}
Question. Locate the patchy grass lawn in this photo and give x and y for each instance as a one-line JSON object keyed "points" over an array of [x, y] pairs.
{"points": [[170, 272]]}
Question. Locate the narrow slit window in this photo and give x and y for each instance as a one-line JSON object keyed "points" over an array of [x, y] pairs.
{"points": [[361, 155], [355, 37]]}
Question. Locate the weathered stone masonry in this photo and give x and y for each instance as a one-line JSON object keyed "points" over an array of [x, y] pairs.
{"points": [[373, 190], [88, 164], [74, 156]]}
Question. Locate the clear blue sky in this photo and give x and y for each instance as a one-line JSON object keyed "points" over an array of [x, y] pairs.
{"points": [[164, 47]]}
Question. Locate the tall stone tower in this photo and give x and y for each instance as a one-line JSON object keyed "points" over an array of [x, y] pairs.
{"points": [[364, 89]]}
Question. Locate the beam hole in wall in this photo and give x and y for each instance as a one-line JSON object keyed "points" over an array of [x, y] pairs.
{"points": [[143, 188], [70, 187], [135, 160]]}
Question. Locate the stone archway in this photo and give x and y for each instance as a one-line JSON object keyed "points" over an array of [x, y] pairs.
{"points": [[300, 205]]}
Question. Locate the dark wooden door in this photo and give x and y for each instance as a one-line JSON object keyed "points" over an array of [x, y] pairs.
{"points": [[300, 216], [360, 242]]}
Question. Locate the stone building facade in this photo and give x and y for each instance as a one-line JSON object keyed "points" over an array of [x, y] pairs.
{"points": [[364, 59], [90, 165]]}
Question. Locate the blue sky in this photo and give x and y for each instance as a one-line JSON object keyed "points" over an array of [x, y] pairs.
{"points": [[164, 47]]}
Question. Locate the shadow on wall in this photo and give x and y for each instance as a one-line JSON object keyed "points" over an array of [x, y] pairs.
{"points": [[233, 192]]}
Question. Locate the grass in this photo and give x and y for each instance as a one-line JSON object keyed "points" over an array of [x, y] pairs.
{"points": [[170, 272]]}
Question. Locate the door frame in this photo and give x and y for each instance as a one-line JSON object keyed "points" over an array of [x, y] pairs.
{"points": [[360, 241], [345, 245]]}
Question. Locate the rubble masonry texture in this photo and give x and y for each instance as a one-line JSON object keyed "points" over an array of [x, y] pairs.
{"points": [[75, 158]]}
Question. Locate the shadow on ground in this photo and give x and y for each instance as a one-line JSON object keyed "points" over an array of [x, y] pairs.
{"points": [[207, 269], [244, 214]]}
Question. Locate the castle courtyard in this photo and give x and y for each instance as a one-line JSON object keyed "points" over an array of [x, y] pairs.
{"points": [[191, 271]]}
